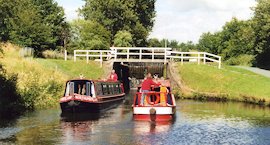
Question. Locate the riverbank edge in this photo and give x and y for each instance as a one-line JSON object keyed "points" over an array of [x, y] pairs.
{"points": [[182, 91]]}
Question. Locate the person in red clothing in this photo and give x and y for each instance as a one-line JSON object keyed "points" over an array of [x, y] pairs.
{"points": [[146, 86], [113, 76]]}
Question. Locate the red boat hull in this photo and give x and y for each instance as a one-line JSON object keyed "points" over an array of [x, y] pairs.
{"points": [[154, 117]]}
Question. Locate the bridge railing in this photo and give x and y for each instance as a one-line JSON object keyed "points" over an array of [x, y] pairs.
{"points": [[128, 53], [194, 56], [143, 54], [100, 54]]}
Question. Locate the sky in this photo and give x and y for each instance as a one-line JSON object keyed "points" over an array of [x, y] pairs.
{"points": [[184, 20]]}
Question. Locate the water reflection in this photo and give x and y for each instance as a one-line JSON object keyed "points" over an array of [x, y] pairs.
{"points": [[254, 114], [195, 123], [145, 127]]}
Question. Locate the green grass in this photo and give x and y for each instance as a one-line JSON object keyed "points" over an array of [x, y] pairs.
{"points": [[236, 83], [92, 70], [41, 82]]}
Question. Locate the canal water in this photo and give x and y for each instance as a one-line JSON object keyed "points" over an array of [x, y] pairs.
{"points": [[195, 123]]}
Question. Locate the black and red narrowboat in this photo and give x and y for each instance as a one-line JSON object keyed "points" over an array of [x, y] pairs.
{"points": [[94, 96]]}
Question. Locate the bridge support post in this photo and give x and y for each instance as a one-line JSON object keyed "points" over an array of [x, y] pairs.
{"points": [[165, 57], [153, 55], [204, 57], [182, 58], [65, 55], [199, 57], [115, 54], [101, 59], [87, 56], [140, 54], [74, 56], [128, 54], [219, 63]]}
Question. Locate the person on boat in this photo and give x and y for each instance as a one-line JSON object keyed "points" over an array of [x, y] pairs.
{"points": [[146, 86], [163, 93], [83, 92], [113, 76]]}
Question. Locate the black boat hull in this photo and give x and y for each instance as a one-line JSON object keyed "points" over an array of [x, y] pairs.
{"points": [[90, 107]]}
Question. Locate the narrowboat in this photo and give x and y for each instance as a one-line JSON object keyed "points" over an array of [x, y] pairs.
{"points": [[93, 96], [159, 105]]}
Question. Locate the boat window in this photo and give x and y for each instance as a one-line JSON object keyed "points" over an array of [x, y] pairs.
{"points": [[111, 89], [88, 89], [82, 87], [104, 89], [71, 88], [119, 88], [99, 88], [115, 90], [67, 90], [93, 91]]}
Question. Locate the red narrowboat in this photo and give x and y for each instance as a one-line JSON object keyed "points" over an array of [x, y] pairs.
{"points": [[159, 105], [84, 95]]}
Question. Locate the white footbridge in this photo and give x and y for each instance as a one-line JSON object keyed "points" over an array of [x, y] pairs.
{"points": [[144, 54]]}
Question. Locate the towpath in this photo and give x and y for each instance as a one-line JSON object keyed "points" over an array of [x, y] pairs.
{"points": [[257, 70]]}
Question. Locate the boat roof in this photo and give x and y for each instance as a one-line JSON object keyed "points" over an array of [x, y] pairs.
{"points": [[85, 79]]}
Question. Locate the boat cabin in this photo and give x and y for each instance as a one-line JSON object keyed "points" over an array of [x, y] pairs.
{"points": [[83, 95], [93, 88], [159, 96]]}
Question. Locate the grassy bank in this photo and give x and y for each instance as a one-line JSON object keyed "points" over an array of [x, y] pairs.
{"points": [[40, 82], [228, 83]]}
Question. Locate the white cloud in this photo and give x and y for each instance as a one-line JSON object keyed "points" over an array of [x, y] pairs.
{"points": [[71, 7], [185, 20]]}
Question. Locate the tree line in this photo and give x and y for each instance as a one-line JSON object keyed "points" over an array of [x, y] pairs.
{"points": [[242, 41], [41, 24]]}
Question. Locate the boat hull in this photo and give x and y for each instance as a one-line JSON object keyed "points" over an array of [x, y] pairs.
{"points": [[153, 113], [156, 117], [75, 106]]}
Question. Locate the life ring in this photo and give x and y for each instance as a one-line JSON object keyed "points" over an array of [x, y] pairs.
{"points": [[152, 103]]}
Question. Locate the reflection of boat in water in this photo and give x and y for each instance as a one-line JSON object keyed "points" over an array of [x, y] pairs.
{"points": [[159, 105], [75, 126], [83, 95], [142, 127], [75, 117]]}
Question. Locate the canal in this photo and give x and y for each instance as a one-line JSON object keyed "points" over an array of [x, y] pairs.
{"points": [[195, 123]]}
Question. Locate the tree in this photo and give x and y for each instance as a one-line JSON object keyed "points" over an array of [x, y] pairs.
{"points": [[53, 16], [39, 24], [27, 27], [123, 39], [210, 43], [6, 12], [261, 27], [237, 38], [134, 16], [154, 42], [88, 35], [185, 47], [173, 44]]}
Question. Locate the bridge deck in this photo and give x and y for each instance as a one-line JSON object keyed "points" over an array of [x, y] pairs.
{"points": [[141, 54], [137, 60]]}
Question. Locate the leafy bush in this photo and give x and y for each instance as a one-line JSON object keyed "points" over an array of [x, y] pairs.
{"points": [[39, 88], [243, 59], [10, 100]]}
